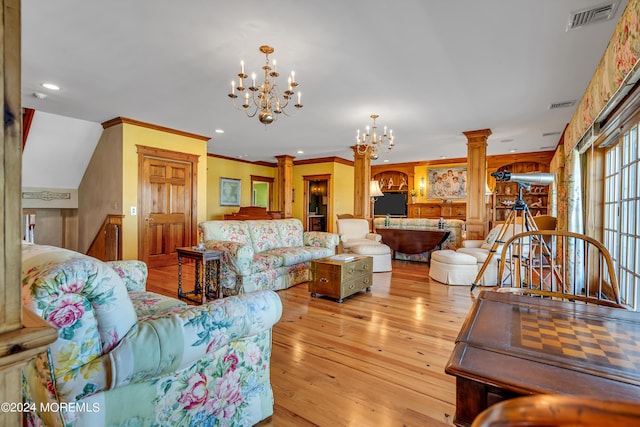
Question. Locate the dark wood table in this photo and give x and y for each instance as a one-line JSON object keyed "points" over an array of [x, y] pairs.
{"points": [[513, 345], [207, 274], [412, 241]]}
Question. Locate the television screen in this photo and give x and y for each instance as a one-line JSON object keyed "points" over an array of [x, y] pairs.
{"points": [[394, 204]]}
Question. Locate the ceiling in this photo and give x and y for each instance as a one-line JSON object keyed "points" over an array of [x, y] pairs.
{"points": [[431, 70]]}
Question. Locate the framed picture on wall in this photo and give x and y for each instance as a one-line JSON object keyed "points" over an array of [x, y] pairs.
{"points": [[230, 192], [447, 182]]}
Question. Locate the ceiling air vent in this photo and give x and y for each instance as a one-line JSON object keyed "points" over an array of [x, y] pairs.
{"points": [[563, 104], [580, 18]]}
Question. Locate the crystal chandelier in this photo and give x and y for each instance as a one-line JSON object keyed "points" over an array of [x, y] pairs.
{"points": [[371, 141], [267, 96]]}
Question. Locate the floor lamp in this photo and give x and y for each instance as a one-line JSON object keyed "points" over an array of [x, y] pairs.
{"points": [[374, 192]]}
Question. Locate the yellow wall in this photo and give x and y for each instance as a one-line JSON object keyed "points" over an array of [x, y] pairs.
{"points": [[225, 168], [342, 191], [133, 135]]}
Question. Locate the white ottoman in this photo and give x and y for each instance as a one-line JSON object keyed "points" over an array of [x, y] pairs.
{"points": [[490, 276], [380, 253], [453, 268]]}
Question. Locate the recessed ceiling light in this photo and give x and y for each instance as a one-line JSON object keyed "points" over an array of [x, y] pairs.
{"points": [[513, 150], [385, 161], [300, 152], [548, 147], [50, 86], [40, 95], [443, 157], [219, 131], [507, 140]]}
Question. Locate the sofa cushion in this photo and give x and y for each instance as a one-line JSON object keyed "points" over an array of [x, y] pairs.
{"points": [[234, 231], [291, 256], [291, 231], [319, 251], [266, 261], [264, 235]]}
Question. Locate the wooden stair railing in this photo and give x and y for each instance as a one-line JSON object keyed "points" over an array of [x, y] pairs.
{"points": [[107, 245]]}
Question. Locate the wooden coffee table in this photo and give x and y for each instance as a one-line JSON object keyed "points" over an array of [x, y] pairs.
{"points": [[340, 279]]}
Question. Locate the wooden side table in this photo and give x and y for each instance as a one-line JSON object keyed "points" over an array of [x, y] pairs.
{"points": [[207, 266]]}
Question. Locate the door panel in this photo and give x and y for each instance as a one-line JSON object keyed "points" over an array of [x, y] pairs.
{"points": [[166, 209]]}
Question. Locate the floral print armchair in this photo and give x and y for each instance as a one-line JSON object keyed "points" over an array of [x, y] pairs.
{"points": [[128, 357]]}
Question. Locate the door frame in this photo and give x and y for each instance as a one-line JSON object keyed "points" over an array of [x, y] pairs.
{"points": [[173, 156], [268, 180], [308, 178]]}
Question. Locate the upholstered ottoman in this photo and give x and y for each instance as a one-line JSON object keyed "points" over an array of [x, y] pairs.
{"points": [[380, 253], [490, 276], [453, 268]]}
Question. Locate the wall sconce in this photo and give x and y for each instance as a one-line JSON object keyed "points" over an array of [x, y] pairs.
{"points": [[422, 186]]}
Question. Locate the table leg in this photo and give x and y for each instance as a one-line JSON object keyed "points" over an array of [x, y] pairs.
{"points": [[208, 283], [199, 285], [179, 276], [218, 284]]}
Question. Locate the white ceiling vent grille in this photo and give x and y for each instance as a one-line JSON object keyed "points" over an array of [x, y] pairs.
{"points": [[580, 18], [563, 104]]}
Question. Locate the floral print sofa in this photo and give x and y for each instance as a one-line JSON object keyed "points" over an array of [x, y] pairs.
{"points": [[265, 254], [453, 242], [128, 357]]}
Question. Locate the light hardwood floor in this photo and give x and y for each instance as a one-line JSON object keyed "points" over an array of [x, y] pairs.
{"points": [[377, 359]]}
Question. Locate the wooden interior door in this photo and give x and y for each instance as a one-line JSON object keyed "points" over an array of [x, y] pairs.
{"points": [[166, 209]]}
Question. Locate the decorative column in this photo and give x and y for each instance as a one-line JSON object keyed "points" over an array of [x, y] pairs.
{"points": [[476, 183], [361, 179], [23, 334], [285, 184]]}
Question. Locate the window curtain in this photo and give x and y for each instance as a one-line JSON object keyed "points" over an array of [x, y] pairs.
{"points": [[575, 221]]}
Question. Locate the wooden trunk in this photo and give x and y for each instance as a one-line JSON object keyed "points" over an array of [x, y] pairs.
{"points": [[339, 279]]}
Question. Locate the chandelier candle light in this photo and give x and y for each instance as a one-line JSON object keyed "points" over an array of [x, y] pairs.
{"points": [[371, 141], [267, 96]]}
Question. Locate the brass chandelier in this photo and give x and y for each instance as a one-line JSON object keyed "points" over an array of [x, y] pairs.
{"points": [[371, 142], [267, 96]]}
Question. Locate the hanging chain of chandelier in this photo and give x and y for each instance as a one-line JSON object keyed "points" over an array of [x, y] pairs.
{"points": [[371, 142], [265, 98]]}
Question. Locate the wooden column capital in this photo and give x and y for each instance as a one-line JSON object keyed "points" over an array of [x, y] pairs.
{"points": [[477, 136]]}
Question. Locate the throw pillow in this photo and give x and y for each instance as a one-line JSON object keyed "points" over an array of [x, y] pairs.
{"points": [[491, 238]]}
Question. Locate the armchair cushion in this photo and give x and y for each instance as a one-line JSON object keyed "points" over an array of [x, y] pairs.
{"points": [[76, 293], [472, 243], [374, 236], [355, 231]]}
